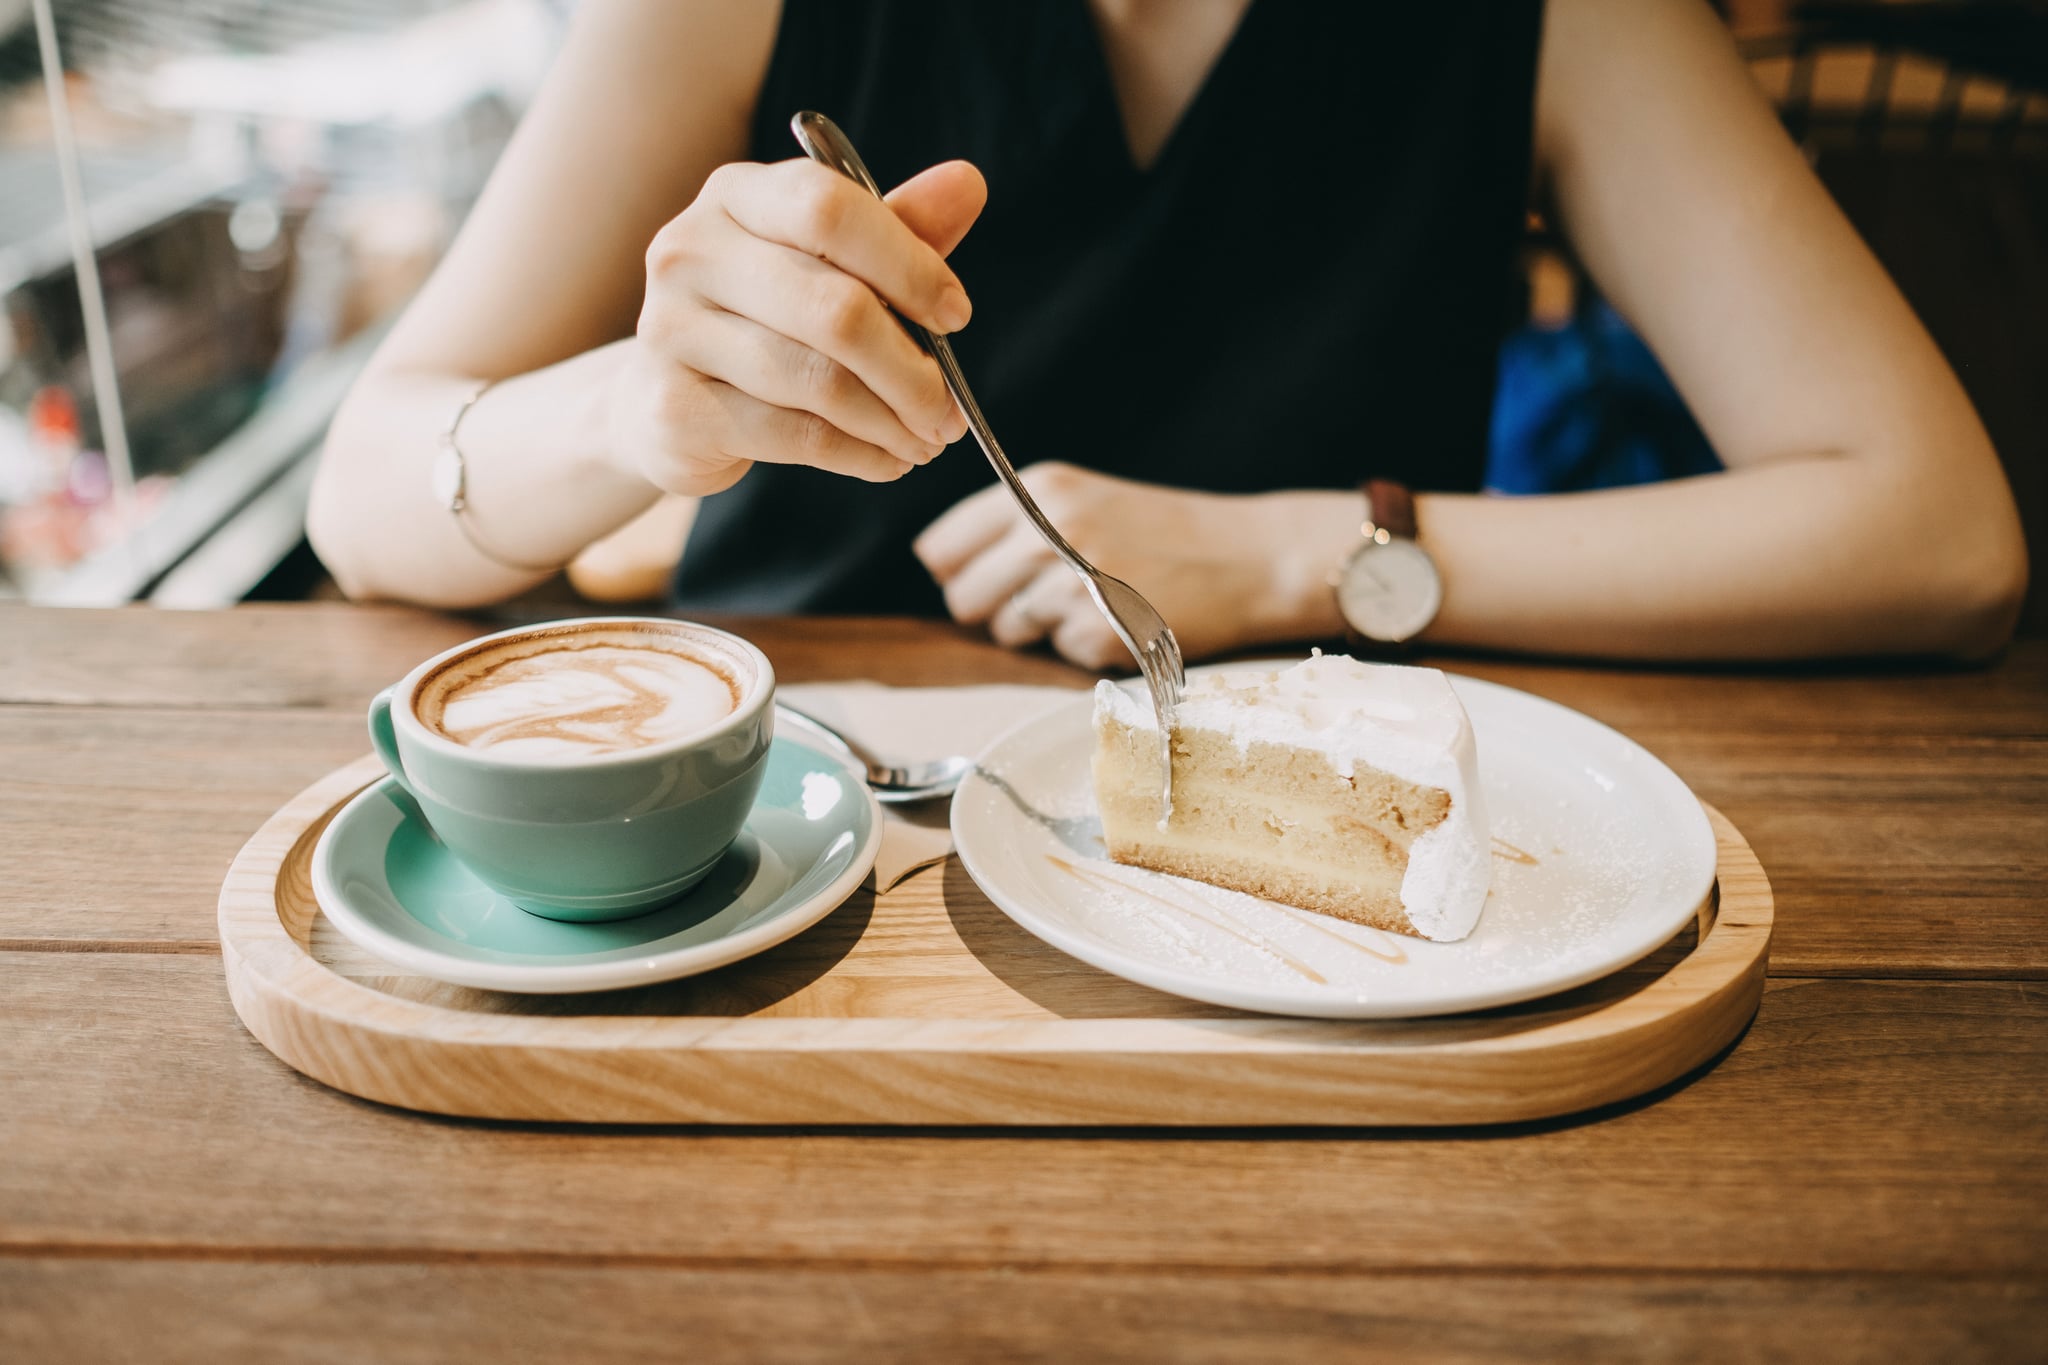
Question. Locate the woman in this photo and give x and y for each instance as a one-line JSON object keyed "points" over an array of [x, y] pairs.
{"points": [[1259, 250]]}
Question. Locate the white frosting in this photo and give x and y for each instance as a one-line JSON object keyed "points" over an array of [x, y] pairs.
{"points": [[1406, 722], [577, 702]]}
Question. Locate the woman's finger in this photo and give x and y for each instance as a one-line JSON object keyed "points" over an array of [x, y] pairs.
{"points": [[1086, 638], [820, 212], [836, 315], [786, 374], [1045, 603], [975, 593], [964, 530], [754, 430], [940, 203]]}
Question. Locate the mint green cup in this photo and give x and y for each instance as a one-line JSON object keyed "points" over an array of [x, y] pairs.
{"points": [[596, 837]]}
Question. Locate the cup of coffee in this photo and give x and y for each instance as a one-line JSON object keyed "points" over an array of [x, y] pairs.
{"points": [[585, 770]]}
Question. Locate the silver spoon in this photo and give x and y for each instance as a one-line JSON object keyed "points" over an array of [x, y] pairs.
{"points": [[893, 783]]}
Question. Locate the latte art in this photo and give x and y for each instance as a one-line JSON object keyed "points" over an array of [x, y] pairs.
{"points": [[578, 699]]}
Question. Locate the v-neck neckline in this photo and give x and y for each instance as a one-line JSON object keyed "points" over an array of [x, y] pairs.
{"points": [[1110, 102]]}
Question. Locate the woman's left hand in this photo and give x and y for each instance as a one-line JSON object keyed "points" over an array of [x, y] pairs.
{"points": [[1225, 570]]}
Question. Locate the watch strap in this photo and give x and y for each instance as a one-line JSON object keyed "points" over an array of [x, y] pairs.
{"points": [[1391, 507], [1390, 512]]}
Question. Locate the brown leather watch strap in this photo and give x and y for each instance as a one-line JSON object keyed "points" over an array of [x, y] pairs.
{"points": [[1390, 511], [1392, 507]]}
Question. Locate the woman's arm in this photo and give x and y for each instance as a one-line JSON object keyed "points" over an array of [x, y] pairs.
{"points": [[1862, 509], [542, 283], [637, 562], [640, 350]]}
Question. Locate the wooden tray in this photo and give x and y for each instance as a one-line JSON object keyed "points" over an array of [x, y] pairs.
{"points": [[928, 1006]]}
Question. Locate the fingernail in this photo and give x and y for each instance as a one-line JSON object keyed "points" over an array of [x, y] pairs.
{"points": [[954, 309]]}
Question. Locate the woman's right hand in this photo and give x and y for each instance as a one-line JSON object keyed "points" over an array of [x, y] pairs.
{"points": [[763, 335]]}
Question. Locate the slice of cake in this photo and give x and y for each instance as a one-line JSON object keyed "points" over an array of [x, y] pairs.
{"points": [[1338, 786]]}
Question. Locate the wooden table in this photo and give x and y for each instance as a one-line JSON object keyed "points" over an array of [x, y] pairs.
{"points": [[1864, 1175]]}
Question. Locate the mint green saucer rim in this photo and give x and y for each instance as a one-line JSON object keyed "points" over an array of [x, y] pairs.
{"points": [[562, 978]]}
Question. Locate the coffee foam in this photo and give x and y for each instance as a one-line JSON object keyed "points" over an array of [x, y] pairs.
{"points": [[582, 692]]}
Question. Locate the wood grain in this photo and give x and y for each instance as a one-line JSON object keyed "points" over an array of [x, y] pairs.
{"points": [[334, 655], [1858, 1127], [259, 656], [1902, 815], [1859, 1178], [117, 824], [933, 947], [409, 1314], [928, 1055], [1872, 878]]}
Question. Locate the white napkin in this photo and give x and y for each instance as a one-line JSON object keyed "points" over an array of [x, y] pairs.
{"points": [[909, 725]]}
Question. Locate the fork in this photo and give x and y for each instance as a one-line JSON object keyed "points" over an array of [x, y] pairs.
{"points": [[1136, 622]]}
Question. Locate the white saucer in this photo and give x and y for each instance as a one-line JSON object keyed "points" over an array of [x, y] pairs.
{"points": [[1601, 855]]}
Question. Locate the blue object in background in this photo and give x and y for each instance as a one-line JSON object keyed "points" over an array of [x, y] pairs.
{"points": [[1587, 406]]}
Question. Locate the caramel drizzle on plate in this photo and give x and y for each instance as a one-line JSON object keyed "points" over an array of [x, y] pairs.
{"points": [[1513, 854], [1394, 954]]}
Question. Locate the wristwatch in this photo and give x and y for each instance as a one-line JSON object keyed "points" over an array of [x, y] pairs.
{"points": [[1388, 588]]}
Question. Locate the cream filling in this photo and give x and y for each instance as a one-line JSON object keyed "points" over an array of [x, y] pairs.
{"points": [[1292, 812]]}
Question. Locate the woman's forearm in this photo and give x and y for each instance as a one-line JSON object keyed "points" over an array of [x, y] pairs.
{"points": [[1801, 558], [1804, 557], [540, 481]]}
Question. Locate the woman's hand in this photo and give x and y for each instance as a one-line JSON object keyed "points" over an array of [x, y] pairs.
{"points": [[763, 334], [1226, 571]]}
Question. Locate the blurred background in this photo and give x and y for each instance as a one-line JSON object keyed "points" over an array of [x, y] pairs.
{"points": [[267, 181]]}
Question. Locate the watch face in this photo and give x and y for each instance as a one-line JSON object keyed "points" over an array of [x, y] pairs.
{"points": [[1390, 592]]}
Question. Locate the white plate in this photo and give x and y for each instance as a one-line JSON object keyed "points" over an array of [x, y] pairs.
{"points": [[1601, 854]]}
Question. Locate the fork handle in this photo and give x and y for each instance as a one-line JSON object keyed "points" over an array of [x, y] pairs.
{"points": [[825, 144]]}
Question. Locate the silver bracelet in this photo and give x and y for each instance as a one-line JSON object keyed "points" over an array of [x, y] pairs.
{"points": [[451, 486]]}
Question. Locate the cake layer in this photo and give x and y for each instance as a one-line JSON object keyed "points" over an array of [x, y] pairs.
{"points": [[1276, 772], [1354, 853], [1265, 818], [1324, 893]]}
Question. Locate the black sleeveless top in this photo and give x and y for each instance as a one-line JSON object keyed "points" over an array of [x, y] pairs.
{"points": [[1306, 289]]}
